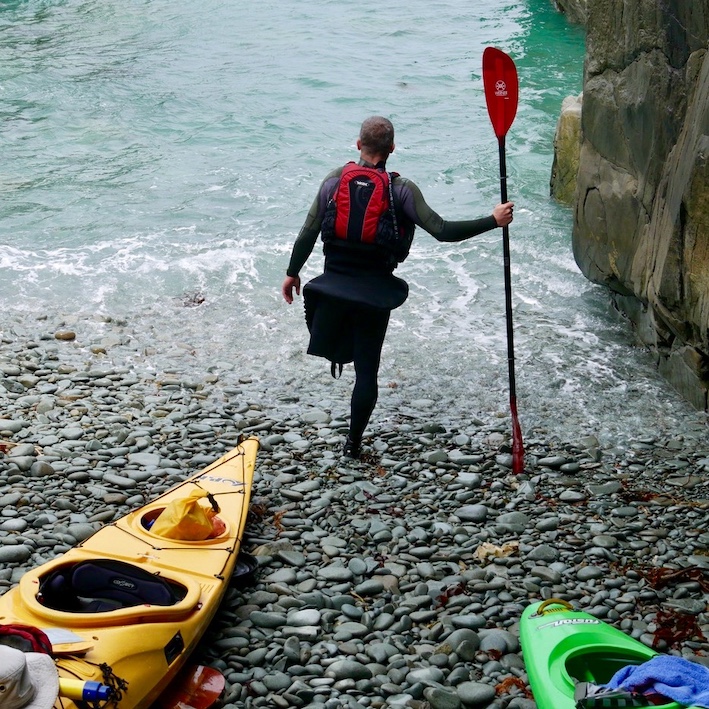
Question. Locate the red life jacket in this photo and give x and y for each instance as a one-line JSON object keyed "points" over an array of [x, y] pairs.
{"points": [[362, 211]]}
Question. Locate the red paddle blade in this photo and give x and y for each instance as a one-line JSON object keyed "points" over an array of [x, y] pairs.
{"points": [[501, 89], [195, 687], [517, 445]]}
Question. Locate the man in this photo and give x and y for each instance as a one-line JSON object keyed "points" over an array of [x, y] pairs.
{"points": [[367, 217]]}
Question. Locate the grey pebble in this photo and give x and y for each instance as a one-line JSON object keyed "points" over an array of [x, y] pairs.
{"points": [[267, 620], [13, 525], [394, 581], [475, 694], [587, 573], [552, 461], [335, 573], [370, 587], [348, 669], [14, 553], [10, 499], [80, 532], [125, 483], [472, 513], [572, 496], [442, 698], [305, 617], [544, 552], [22, 450], [12, 426]]}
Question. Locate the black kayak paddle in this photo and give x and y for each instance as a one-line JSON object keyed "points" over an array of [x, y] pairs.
{"points": [[501, 92]]}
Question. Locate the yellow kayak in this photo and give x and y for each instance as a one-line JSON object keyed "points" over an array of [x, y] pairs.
{"points": [[127, 606]]}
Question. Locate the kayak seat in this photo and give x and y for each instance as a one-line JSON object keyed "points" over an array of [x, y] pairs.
{"points": [[102, 585]]}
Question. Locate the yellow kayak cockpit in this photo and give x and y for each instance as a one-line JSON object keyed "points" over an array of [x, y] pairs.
{"points": [[107, 592]]}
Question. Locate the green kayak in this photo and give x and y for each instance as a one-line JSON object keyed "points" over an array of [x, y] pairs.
{"points": [[568, 652]]}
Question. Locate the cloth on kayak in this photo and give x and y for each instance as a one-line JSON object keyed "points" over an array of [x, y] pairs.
{"points": [[676, 678], [28, 680]]}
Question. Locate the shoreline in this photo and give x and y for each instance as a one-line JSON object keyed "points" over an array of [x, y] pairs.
{"points": [[397, 581]]}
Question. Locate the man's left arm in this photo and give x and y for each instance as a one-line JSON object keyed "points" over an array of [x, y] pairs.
{"points": [[416, 208]]}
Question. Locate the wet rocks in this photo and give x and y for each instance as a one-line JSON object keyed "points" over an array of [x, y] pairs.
{"points": [[397, 581]]}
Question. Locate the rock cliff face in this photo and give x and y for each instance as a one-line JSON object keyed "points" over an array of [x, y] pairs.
{"points": [[575, 10], [641, 205], [567, 148]]}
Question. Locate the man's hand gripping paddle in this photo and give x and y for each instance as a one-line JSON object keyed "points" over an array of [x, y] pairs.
{"points": [[501, 91]]}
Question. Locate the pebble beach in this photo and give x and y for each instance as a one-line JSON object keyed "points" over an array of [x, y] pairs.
{"points": [[394, 581]]}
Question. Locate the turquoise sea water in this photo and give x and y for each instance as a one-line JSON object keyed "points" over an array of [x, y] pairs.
{"points": [[154, 149]]}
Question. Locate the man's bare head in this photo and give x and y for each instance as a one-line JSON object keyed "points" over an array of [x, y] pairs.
{"points": [[376, 137]]}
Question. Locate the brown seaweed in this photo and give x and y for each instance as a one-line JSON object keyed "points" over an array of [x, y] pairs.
{"points": [[675, 629]]}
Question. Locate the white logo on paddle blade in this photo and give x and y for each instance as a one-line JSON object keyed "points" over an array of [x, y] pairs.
{"points": [[500, 88]]}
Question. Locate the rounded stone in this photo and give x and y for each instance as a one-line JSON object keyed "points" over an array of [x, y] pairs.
{"points": [[475, 694]]}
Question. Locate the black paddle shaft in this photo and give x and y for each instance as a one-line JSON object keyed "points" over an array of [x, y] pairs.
{"points": [[508, 276]]}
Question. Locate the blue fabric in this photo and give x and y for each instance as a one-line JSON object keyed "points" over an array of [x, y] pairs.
{"points": [[678, 679]]}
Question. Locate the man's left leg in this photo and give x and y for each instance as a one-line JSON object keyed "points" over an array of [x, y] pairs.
{"points": [[370, 328]]}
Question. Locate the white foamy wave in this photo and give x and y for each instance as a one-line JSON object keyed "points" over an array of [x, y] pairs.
{"points": [[163, 181]]}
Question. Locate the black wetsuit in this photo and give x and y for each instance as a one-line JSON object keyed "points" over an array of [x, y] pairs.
{"points": [[367, 325]]}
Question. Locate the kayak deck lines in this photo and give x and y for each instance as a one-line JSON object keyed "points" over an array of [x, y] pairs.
{"points": [[125, 576]]}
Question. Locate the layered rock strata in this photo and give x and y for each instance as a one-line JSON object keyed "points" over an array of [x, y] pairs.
{"points": [[641, 201]]}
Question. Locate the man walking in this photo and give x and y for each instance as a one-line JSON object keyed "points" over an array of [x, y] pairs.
{"points": [[367, 218]]}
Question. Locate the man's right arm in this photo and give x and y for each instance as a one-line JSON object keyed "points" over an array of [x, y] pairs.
{"points": [[302, 249], [305, 242]]}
